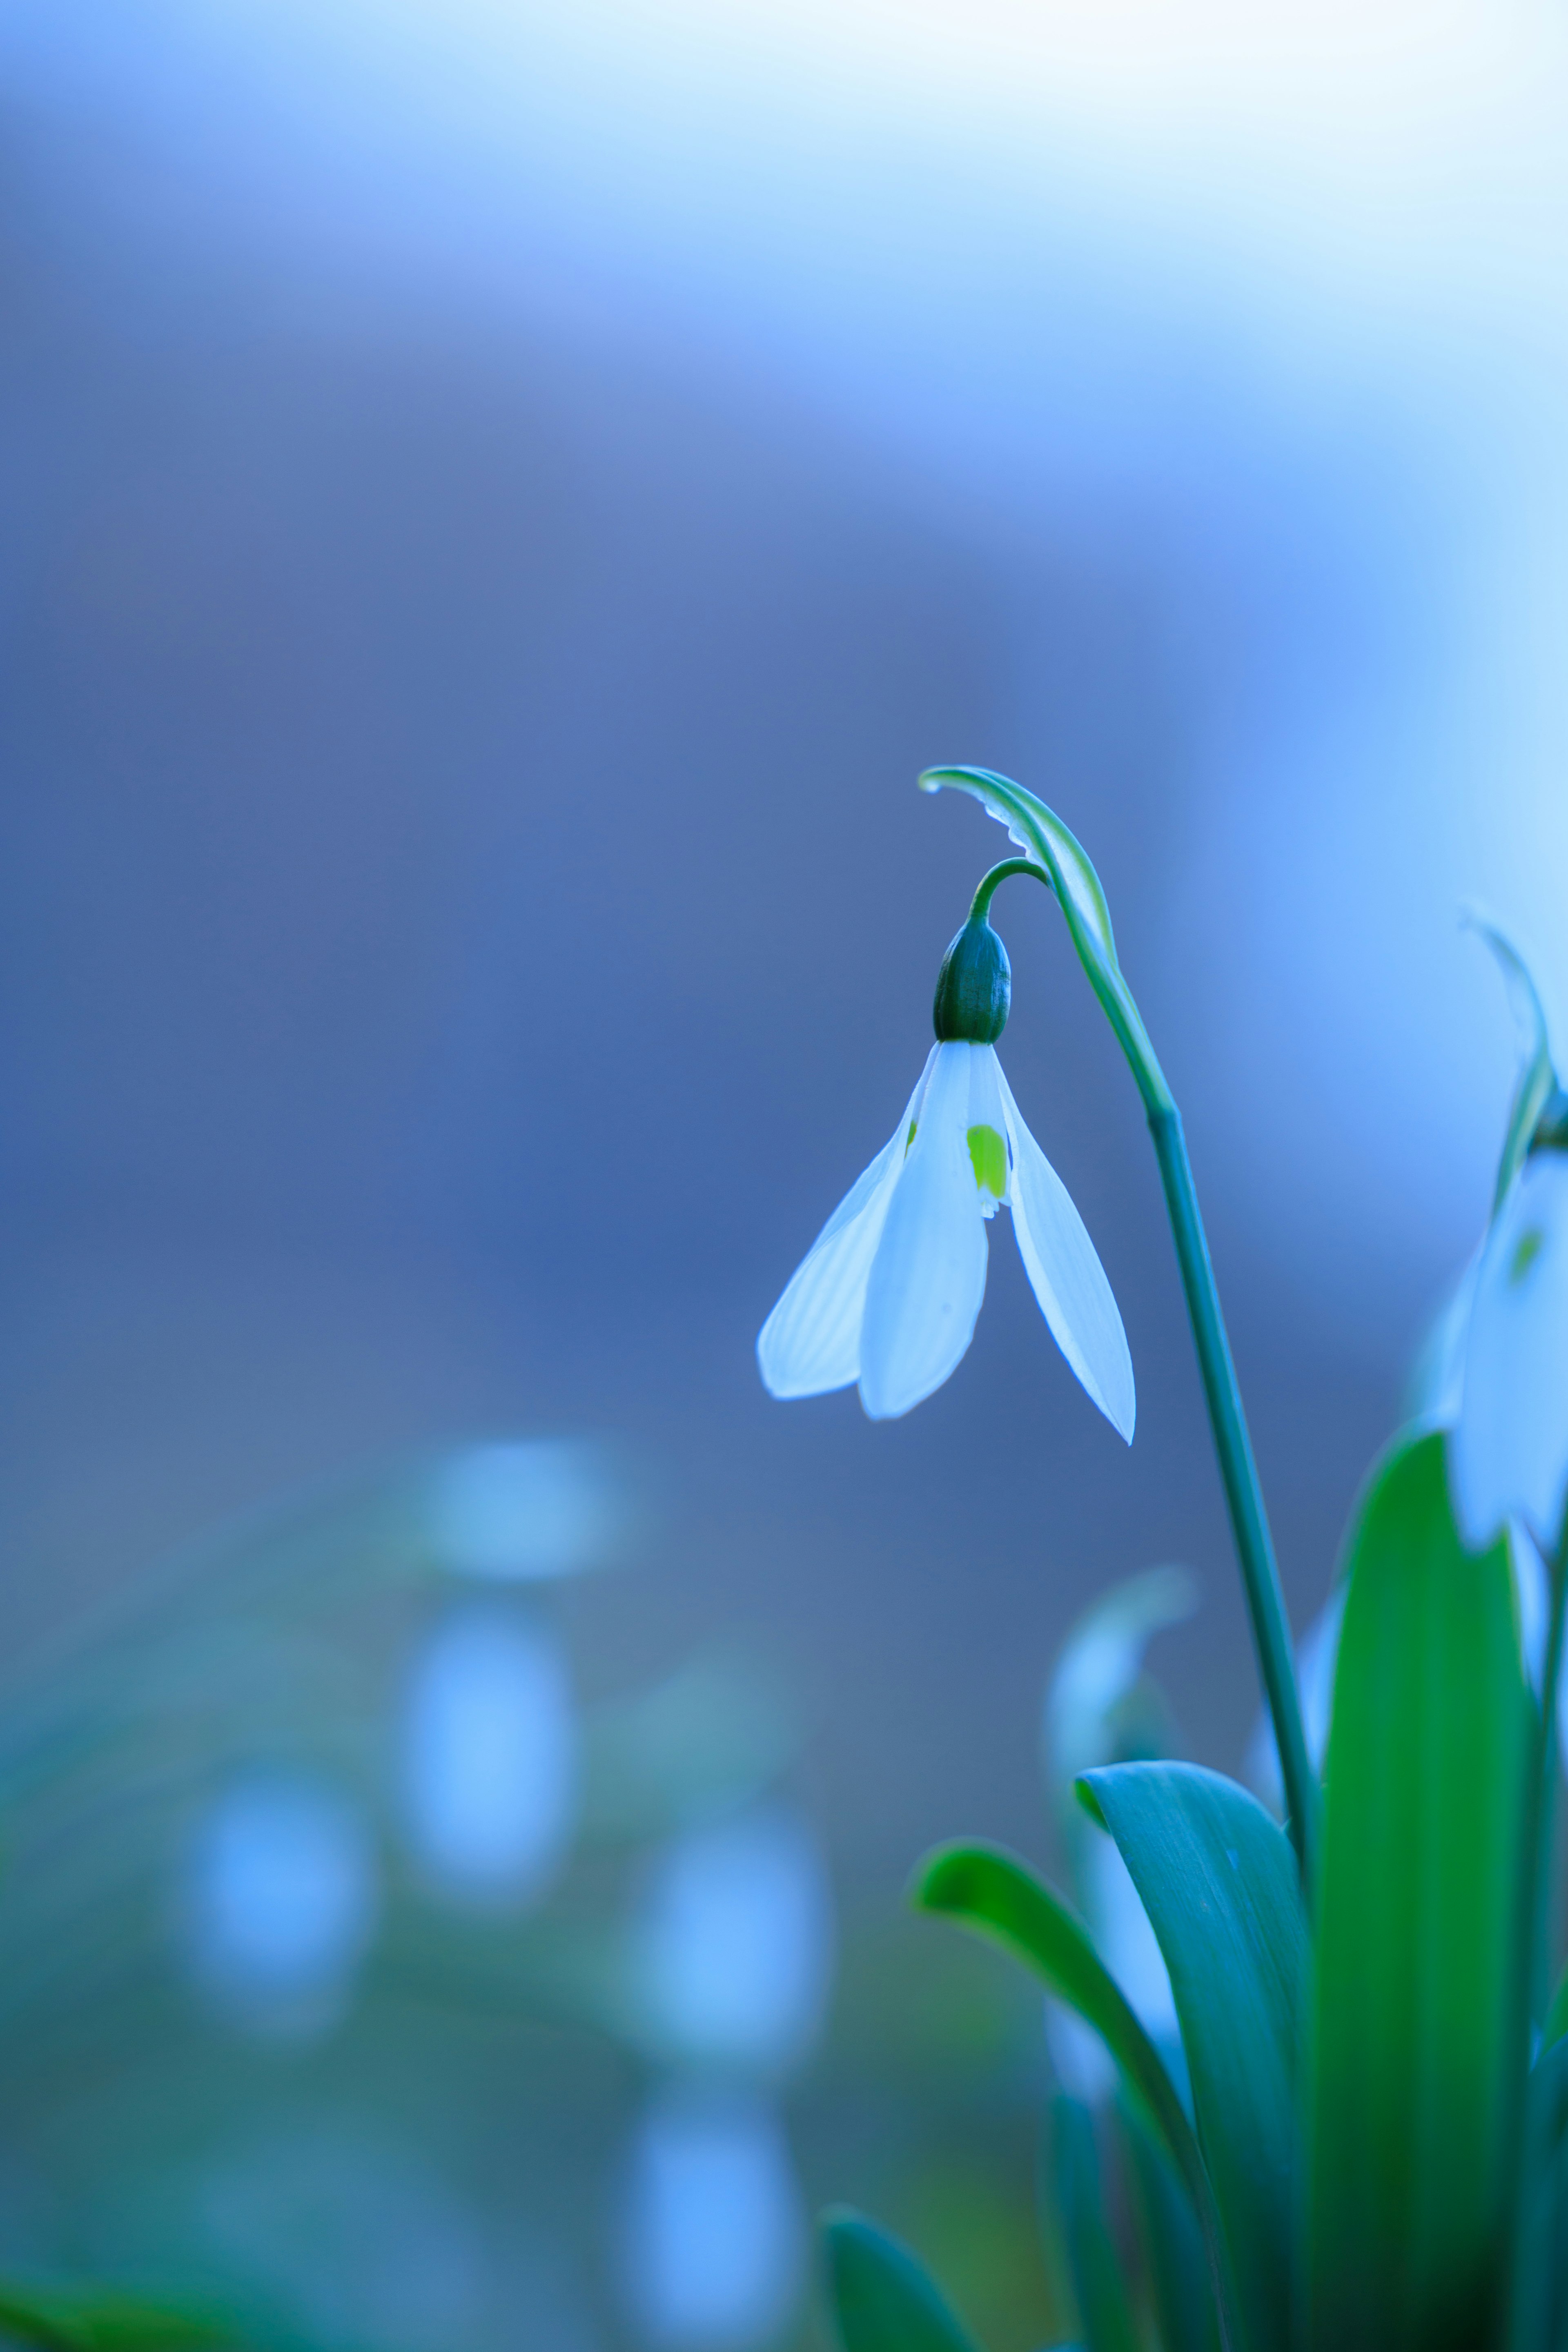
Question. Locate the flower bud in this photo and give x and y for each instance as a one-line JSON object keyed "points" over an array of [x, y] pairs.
{"points": [[974, 988]]}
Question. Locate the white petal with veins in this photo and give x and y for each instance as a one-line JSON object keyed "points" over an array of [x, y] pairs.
{"points": [[811, 1341], [928, 1274], [1066, 1276]]}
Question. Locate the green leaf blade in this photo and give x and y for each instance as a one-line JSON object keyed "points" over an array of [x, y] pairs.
{"points": [[1099, 2289], [1217, 1875], [1420, 2043], [884, 2299], [94, 2319], [998, 1896], [1173, 2254]]}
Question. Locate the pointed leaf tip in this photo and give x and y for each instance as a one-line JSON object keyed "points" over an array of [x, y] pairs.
{"points": [[1537, 1075], [884, 2299], [997, 1896]]}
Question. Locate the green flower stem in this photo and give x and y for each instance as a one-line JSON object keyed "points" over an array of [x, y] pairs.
{"points": [[980, 905], [1536, 1883], [1238, 1469], [1243, 1493]]}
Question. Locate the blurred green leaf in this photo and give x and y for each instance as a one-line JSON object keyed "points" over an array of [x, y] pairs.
{"points": [[1219, 1883], [86, 2319], [884, 2299], [1104, 2312], [1000, 1897], [1541, 2320], [1420, 2044], [712, 1735], [1044, 839], [1170, 2240], [1536, 1077], [1556, 2023]]}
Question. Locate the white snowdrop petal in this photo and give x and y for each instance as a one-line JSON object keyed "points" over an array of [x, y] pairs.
{"points": [[1508, 1453], [986, 1111], [1066, 1276], [928, 1277], [811, 1341]]}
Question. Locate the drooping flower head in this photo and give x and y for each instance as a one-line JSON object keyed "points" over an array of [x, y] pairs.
{"points": [[1509, 1451], [890, 1291], [1494, 1373]]}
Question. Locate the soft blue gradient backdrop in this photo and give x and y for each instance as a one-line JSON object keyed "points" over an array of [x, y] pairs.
{"points": [[500, 503]]}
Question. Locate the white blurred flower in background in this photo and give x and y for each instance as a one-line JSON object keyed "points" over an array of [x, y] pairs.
{"points": [[714, 2227], [525, 1509], [1508, 1454], [1317, 1656], [733, 1943], [1098, 1673], [491, 1756], [279, 1901]]}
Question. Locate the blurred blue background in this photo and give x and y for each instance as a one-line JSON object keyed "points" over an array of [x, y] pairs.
{"points": [[499, 503]]}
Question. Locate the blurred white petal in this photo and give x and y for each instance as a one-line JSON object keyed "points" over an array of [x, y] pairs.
{"points": [[281, 1900], [716, 2235], [735, 1943], [525, 1509], [1066, 1276], [1125, 1940], [1437, 1382], [1100, 1661], [928, 1277], [811, 1341], [1317, 1656], [1084, 2066], [1508, 1457], [1533, 1598], [490, 1756]]}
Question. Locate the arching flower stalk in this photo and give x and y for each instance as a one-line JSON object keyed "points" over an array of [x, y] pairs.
{"points": [[889, 1293]]}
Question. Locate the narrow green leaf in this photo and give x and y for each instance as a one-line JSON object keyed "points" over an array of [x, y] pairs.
{"points": [[884, 2299], [1218, 1880], [89, 2319], [1042, 835], [1556, 2025], [1419, 2041], [1540, 2320], [1172, 2244], [999, 1896], [1098, 2288], [1536, 1075]]}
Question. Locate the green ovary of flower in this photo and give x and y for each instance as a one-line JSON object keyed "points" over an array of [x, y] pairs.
{"points": [[989, 1154], [1526, 1251]]}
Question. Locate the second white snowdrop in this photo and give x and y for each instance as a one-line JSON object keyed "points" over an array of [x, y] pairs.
{"points": [[889, 1292], [1509, 1450]]}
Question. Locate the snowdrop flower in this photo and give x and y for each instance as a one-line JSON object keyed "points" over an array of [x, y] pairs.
{"points": [[1508, 1453], [714, 2242], [279, 1902], [891, 1289]]}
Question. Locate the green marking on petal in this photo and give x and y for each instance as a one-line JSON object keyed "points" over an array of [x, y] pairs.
{"points": [[1526, 1250], [989, 1154], [909, 1138]]}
